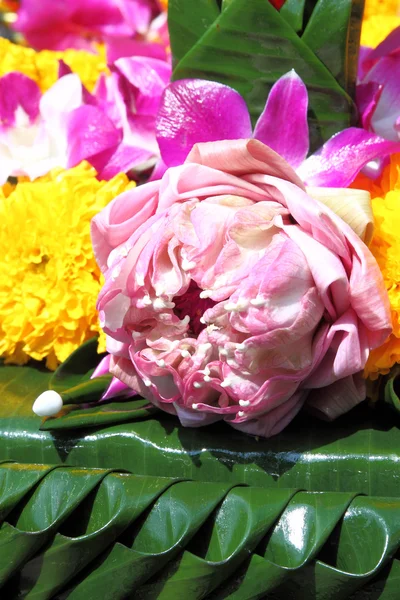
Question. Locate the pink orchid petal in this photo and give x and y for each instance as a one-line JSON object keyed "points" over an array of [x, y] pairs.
{"points": [[117, 388], [64, 96], [137, 13], [124, 48], [386, 73], [194, 111], [363, 67], [367, 97], [283, 124], [149, 76], [123, 160], [241, 157], [90, 134], [343, 156], [390, 45], [19, 98]]}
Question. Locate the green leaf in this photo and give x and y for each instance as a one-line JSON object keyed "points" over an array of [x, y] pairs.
{"points": [[187, 21], [82, 534], [250, 45], [78, 367], [74, 417], [333, 33], [293, 11], [391, 388]]}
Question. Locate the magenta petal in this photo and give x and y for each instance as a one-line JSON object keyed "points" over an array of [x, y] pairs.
{"points": [[18, 91], [122, 48], [387, 74], [103, 368], [283, 124], [367, 97], [391, 44], [194, 111], [123, 160], [90, 133], [339, 160]]}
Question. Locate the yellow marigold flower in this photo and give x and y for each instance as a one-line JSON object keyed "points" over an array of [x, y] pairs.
{"points": [[380, 18], [385, 246], [49, 280], [42, 66]]}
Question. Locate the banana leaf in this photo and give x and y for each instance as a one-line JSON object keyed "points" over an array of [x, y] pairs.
{"points": [[248, 45], [160, 538], [357, 453]]}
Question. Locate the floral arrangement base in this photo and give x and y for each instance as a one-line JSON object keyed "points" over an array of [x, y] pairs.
{"points": [[149, 509]]}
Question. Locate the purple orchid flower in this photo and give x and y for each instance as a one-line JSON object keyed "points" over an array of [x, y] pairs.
{"points": [[378, 91], [194, 111], [113, 129], [76, 24]]}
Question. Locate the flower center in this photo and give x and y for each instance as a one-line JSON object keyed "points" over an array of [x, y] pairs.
{"points": [[192, 305]]}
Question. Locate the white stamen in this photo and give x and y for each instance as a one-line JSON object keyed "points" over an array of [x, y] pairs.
{"points": [[195, 406], [205, 347], [49, 403], [212, 327], [258, 302], [207, 378], [226, 382], [147, 382], [188, 265], [197, 384], [115, 273], [223, 352], [161, 362], [206, 293], [230, 306], [244, 403], [241, 347], [160, 304], [241, 414], [202, 320], [136, 335], [185, 320], [147, 301], [123, 252], [139, 279], [185, 354], [241, 305]]}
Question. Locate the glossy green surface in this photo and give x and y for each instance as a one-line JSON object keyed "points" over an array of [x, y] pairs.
{"points": [[249, 45], [90, 534], [358, 453]]}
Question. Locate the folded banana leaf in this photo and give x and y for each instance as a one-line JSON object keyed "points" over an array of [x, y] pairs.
{"points": [[248, 45], [118, 536], [357, 453]]}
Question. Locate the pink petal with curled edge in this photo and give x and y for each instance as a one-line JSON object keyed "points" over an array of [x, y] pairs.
{"points": [[343, 156], [63, 97], [90, 133], [283, 124], [387, 74], [123, 160], [243, 157], [367, 98], [17, 91], [193, 111]]}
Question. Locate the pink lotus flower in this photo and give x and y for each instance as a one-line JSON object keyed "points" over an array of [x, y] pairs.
{"points": [[194, 111], [114, 129], [76, 23], [232, 294], [378, 91]]}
